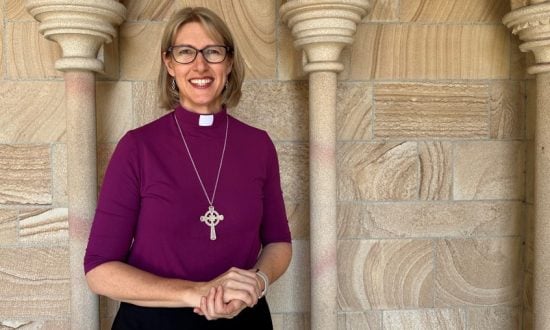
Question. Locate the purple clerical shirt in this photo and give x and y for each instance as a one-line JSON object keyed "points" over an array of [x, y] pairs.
{"points": [[151, 201]]}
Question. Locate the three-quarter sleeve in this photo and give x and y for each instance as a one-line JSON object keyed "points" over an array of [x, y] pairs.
{"points": [[274, 226], [118, 207]]}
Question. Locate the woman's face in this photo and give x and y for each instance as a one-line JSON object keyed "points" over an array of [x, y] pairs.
{"points": [[200, 83]]}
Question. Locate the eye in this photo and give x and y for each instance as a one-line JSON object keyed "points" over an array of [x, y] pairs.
{"points": [[214, 51], [184, 51]]}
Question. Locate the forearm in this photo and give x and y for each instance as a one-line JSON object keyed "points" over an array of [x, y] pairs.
{"points": [[120, 281], [274, 260]]}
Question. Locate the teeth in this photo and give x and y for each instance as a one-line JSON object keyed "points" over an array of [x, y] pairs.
{"points": [[201, 82]]}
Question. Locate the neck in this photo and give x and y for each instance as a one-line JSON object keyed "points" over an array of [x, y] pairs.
{"points": [[207, 110]]}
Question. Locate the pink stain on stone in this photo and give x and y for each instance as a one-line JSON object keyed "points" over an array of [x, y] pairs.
{"points": [[79, 228], [327, 263], [322, 151]]}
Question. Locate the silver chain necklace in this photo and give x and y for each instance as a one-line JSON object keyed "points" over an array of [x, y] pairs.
{"points": [[211, 217]]}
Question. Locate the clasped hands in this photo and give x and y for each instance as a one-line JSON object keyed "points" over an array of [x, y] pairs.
{"points": [[228, 294]]}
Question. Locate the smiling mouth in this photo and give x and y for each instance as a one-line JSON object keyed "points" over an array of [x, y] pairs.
{"points": [[201, 83]]}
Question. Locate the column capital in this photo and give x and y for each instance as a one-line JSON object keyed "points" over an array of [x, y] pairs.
{"points": [[322, 28], [79, 27], [532, 25]]}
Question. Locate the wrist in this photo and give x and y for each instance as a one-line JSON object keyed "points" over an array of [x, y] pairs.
{"points": [[263, 279], [193, 292]]}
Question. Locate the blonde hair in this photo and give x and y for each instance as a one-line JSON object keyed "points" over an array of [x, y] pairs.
{"points": [[218, 30]]}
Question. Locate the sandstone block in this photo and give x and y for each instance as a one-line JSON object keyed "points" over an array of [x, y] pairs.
{"points": [[403, 51], [25, 174], [114, 110], [35, 325], [146, 10], [519, 61], [34, 282], [436, 170], [278, 321], [293, 166], [528, 319], [527, 295], [291, 321], [44, 226], [507, 110], [378, 171], [530, 109], [106, 323], [59, 178], [354, 113], [108, 307], [290, 59], [489, 170], [478, 272], [385, 274], [104, 153], [145, 103], [110, 56], [429, 219], [428, 110], [8, 226], [515, 4], [425, 319], [28, 53], [32, 112], [383, 11], [298, 218], [2, 66], [253, 25], [290, 294], [15, 11], [457, 11], [529, 247], [140, 42], [280, 108], [530, 171], [487, 318], [368, 320]]}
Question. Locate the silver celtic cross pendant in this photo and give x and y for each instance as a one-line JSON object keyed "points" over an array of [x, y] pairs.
{"points": [[211, 218]]}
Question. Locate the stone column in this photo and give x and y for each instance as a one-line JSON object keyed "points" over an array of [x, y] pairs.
{"points": [[322, 28], [532, 25], [80, 28]]}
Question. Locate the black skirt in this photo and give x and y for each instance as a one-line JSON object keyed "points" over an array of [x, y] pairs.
{"points": [[132, 317]]}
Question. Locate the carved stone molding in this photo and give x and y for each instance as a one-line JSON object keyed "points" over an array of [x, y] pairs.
{"points": [[322, 28], [79, 27], [532, 25]]}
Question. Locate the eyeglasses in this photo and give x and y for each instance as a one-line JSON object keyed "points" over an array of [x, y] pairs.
{"points": [[185, 54]]}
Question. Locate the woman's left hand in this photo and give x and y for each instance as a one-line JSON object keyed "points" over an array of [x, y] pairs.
{"points": [[213, 306]]}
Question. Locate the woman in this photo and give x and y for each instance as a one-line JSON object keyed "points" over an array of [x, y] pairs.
{"points": [[190, 227]]}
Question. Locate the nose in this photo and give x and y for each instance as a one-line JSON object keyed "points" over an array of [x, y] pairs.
{"points": [[200, 62]]}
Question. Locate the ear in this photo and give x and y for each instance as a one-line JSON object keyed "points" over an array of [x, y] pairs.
{"points": [[169, 64]]}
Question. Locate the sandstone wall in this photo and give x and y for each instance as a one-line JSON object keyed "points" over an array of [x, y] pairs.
{"points": [[434, 128]]}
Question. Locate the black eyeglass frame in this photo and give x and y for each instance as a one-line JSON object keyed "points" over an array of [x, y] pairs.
{"points": [[228, 50]]}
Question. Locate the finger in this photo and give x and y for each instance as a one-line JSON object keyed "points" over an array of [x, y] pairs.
{"points": [[249, 273], [210, 303], [241, 275], [204, 308], [199, 311], [218, 302], [236, 306], [251, 288], [244, 296]]}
